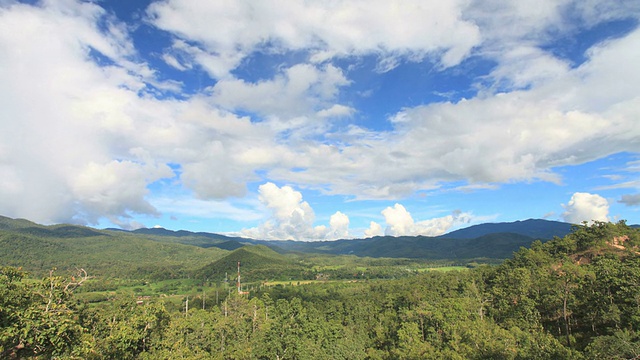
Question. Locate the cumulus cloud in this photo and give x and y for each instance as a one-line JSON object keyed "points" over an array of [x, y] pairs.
{"points": [[413, 29], [300, 90], [400, 222], [114, 188], [81, 140], [86, 130], [586, 207], [569, 116], [47, 75], [374, 229], [339, 226], [292, 218]]}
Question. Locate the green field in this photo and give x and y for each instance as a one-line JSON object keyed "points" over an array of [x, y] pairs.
{"points": [[444, 268]]}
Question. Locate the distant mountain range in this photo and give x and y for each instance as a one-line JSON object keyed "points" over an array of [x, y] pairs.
{"points": [[491, 240], [485, 241], [534, 228]]}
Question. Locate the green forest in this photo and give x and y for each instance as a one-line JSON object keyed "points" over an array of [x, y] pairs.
{"points": [[573, 297]]}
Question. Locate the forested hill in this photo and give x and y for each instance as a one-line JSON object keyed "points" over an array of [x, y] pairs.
{"points": [[258, 262], [535, 228], [538, 229], [492, 240], [494, 246], [39, 249], [486, 241]]}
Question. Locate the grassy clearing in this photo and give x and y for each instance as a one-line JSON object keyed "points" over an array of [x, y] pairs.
{"points": [[444, 268], [176, 291], [296, 282]]}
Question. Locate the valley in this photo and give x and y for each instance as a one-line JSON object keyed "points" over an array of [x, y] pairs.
{"points": [[81, 293]]}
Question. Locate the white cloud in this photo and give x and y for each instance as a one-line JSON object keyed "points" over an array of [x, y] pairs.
{"points": [[523, 66], [83, 141], [339, 226], [566, 117], [336, 111], [292, 218], [586, 207], [113, 189], [502, 22], [172, 61], [300, 90], [45, 74], [410, 29], [374, 229], [400, 223], [83, 136]]}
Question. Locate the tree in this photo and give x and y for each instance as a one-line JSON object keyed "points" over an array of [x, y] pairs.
{"points": [[623, 344], [125, 329], [39, 319]]}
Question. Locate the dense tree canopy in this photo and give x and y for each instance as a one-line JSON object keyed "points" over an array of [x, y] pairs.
{"points": [[570, 298]]}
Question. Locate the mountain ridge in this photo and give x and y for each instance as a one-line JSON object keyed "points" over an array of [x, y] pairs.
{"points": [[539, 229], [483, 242]]}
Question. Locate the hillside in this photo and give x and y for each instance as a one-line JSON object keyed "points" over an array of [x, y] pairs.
{"points": [[533, 228], [258, 263], [38, 249], [163, 253], [201, 239], [491, 246], [493, 241], [575, 297]]}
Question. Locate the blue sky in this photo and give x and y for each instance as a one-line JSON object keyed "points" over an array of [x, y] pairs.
{"points": [[319, 120]]}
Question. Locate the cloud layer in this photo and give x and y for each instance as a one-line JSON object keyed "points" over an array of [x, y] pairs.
{"points": [[89, 123], [389, 29]]}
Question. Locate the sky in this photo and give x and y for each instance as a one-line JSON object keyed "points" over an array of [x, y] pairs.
{"points": [[319, 120]]}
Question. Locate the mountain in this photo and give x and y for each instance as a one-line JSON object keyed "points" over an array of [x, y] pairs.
{"points": [[523, 233], [38, 249], [534, 228], [168, 253], [184, 233], [490, 246], [27, 227], [258, 261], [491, 240], [7, 223], [200, 239]]}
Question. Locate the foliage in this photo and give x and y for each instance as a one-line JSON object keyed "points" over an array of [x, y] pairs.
{"points": [[258, 262], [103, 254], [38, 319], [575, 297]]}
